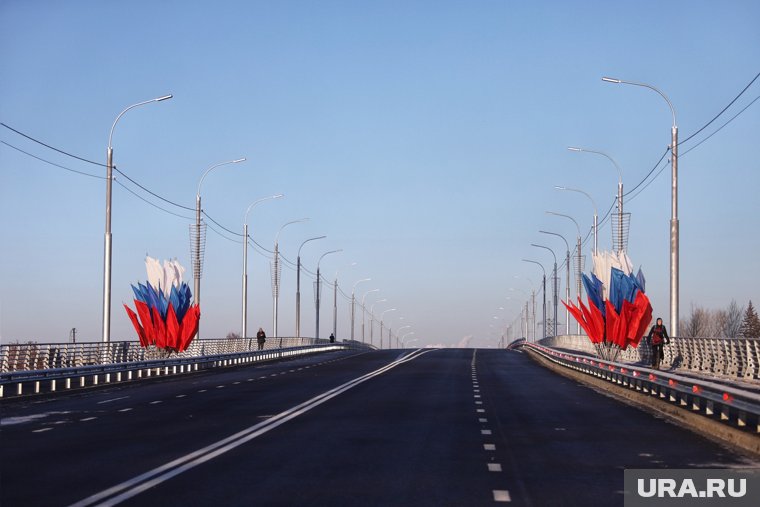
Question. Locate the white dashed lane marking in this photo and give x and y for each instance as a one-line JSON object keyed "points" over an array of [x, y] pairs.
{"points": [[125, 409], [482, 419], [489, 447], [113, 399], [180, 396], [156, 402], [88, 419], [494, 467], [485, 432], [501, 495], [41, 430]]}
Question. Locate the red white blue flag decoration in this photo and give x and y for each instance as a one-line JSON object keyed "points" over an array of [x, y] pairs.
{"points": [[618, 311], [164, 316]]}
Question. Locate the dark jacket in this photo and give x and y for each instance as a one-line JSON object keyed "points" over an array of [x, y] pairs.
{"points": [[261, 337], [658, 335]]}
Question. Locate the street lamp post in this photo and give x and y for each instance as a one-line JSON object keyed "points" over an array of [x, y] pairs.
{"points": [[579, 285], [398, 334], [298, 285], [353, 305], [674, 225], [198, 260], [403, 343], [543, 289], [382, 315], [567, 280], [107, 240], [318, 286], [372, 318], [554, 285], [596, 214], [620, 243], [364, 309], [335, 303], [276, 275], [244, 326]]}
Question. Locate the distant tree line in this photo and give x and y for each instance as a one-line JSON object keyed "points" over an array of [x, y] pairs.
{"points": [[734, 321]]}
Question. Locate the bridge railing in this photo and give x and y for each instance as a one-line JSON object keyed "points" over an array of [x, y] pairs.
{"points": [[42, 356], [89, 365], [737, 358], [734, 406]]}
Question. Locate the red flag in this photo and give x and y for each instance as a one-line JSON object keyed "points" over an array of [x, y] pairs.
{"points": [[189, 326], [596, 317], [172, 329], [144, 312], [160, 329], [645, 307], [140, 331]]}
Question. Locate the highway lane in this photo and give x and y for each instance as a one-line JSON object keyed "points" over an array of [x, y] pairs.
{"points": [[449, 427]]}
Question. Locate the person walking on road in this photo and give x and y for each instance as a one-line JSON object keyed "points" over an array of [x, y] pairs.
{"points": [[658, 336], [261, 338]]}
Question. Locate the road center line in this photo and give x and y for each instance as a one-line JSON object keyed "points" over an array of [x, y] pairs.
{"points": [[147, 480]]}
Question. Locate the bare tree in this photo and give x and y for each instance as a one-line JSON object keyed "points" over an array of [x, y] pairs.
{"points": [[718, 323], [734, 315], [232, 335], [697, 324]]}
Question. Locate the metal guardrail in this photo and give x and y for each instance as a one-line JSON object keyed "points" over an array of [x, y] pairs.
{"points": [[733, 406], [737, 358], [35, 381], [41, 356]]}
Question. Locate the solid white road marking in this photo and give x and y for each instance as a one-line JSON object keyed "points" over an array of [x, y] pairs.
{"points": [[132, 487]]}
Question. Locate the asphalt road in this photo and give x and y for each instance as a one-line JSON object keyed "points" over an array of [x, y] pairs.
{"points": [[384, 428]]}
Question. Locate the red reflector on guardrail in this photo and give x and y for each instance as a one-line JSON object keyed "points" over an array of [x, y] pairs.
{"points": [[623, 370], [652, 377], [696, 389], [727, 397], [672, 382]]}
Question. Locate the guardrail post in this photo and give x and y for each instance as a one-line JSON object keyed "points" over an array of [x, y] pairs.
{"points": [[724, 413], [741, 419]]}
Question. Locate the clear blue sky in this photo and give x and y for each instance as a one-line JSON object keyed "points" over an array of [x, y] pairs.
{"points": [[423, 138]]}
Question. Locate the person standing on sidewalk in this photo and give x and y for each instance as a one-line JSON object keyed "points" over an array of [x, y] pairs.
{"points": [[261, 338], [658, 336]]}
